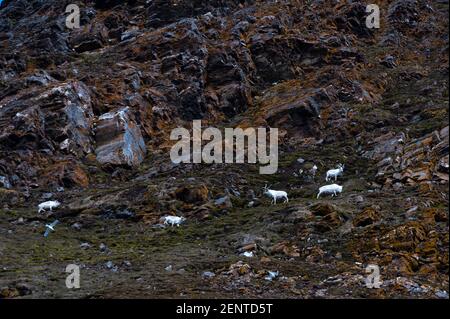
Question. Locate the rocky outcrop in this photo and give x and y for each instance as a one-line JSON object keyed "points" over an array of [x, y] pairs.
{"points": [[401, 161], [59, 117], [119, 140], [42, 124]]}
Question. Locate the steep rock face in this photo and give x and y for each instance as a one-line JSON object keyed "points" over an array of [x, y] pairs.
{"points": [[161, 12], [45, 123], [119, 140], [78, 116], [89, 39], [59, 117], [303, 112], [278, 64]]}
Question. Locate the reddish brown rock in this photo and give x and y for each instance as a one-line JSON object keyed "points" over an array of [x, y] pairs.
{"points": [[367, 217], [192, 194], [67, 173]]}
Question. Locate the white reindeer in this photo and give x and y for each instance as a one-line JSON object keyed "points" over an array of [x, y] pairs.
{"points": [[275, 195], [332, 189], [335, 173], [48, 205], [173, 220]]}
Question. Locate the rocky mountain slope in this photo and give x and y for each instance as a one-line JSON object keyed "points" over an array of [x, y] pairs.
{"points": [[86, 116]]}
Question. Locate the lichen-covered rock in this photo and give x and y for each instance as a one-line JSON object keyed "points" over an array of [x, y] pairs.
{"points": [[66, 173], [417, 161], [119, 139], [367, 217], [192, 194], [59, 117], [38, 126]]}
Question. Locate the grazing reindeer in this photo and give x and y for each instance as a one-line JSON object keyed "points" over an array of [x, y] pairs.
{"points": [[173, 220], [275, 195], [335, 173], [332, 189], [48, 205]]}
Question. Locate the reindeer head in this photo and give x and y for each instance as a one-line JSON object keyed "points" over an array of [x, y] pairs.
{"points": [[341, 167], [265, 189]]}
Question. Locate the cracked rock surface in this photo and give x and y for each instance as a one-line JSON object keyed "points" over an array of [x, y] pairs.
{"points": [[86, 116]]}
